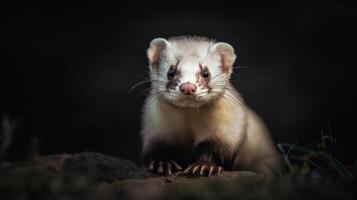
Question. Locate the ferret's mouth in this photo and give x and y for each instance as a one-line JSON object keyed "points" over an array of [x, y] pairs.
{"points": [[181, 100], [189, 101], [189, 98]]}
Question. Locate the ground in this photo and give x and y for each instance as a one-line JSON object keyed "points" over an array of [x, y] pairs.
{"points": [[92, 175]]}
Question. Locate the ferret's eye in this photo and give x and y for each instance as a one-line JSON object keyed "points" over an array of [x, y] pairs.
{"points": [[205, 74], [171, 73]]}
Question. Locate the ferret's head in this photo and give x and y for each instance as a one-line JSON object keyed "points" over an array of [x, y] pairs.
{"points": [[190, 72]]}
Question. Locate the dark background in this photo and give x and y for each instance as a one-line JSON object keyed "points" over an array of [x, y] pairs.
{"points": [[67, 68]]}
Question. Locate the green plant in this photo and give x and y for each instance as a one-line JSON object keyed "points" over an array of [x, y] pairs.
{"points": [[302, 160]]}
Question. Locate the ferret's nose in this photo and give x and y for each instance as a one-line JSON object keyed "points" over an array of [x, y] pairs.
{"points": [[187, 88]]}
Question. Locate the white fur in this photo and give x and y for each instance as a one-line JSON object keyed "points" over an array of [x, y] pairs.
{"points": [[221, 113]]}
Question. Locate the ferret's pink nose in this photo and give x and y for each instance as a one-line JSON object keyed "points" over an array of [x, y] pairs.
{"points": [[187, 88]]}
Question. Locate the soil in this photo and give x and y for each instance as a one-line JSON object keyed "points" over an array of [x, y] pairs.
{"points": [[92, 175]]}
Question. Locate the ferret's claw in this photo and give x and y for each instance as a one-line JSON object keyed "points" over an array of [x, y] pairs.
{"points": [[195, 169], [204, 169], [211, 168], [169, 167], [164, 167], [188, 169], [151, 166], [177, 166]]}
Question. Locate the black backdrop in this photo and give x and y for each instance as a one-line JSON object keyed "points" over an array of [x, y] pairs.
{"points": [[67, 68]]}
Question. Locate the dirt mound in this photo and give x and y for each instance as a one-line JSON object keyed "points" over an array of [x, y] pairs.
{"points": [[92, 175]]}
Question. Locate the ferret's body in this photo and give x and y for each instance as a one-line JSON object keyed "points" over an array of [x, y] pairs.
{"points": [[207, 128]]}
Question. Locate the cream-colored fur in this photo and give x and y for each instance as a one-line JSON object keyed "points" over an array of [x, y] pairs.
{"points": [[222, 116]]}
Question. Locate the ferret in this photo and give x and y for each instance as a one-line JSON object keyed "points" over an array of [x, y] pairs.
{"points": [[194, 119]]}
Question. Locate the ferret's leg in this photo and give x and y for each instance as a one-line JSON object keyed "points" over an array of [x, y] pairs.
{"points": [[209, 157], [163, 157]]}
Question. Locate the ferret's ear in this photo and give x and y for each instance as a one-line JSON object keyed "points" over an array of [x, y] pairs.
{"points": [[226, 52], [155, 51]]}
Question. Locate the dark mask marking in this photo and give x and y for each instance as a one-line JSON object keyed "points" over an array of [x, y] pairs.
{"points": [[174, 81], [202, 81]]}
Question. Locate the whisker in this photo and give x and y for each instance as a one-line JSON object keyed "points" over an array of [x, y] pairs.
{"points": [[136, 85], [145, 90], [217, 75], [234, 99], [141, 76]]}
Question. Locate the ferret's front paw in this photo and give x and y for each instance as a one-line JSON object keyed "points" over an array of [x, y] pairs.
{"points": [[164, 167], [204, 169]]}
